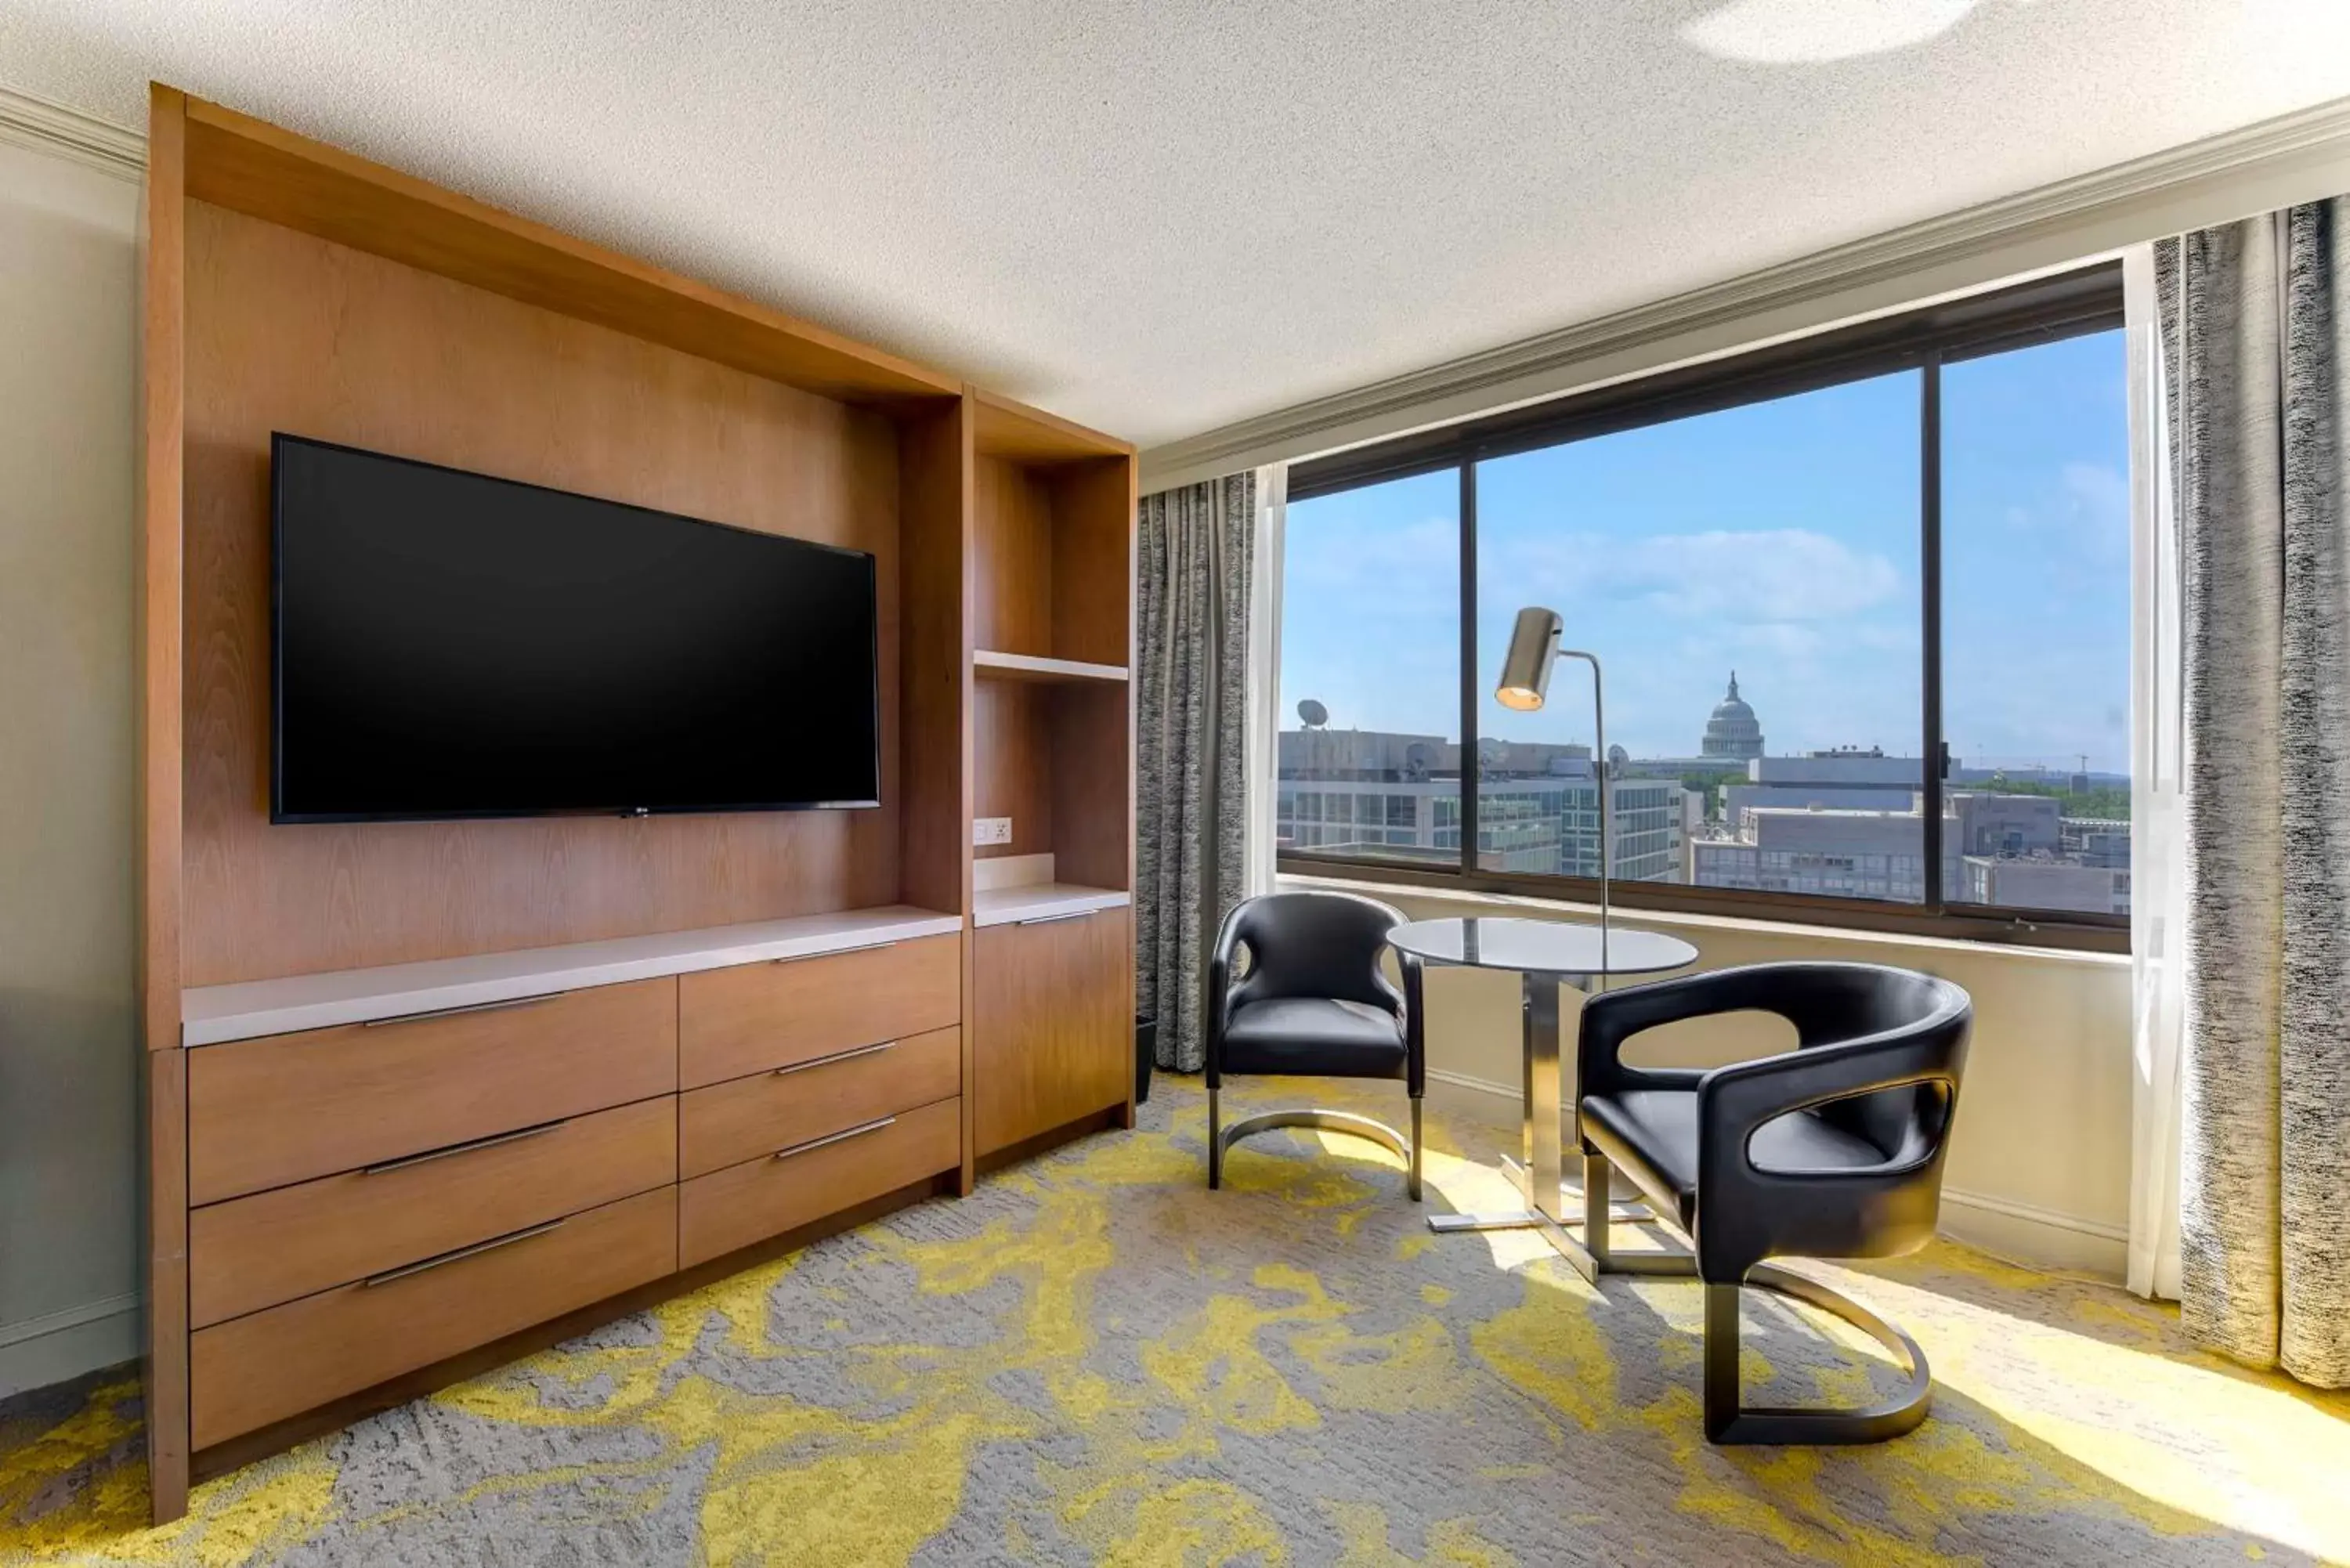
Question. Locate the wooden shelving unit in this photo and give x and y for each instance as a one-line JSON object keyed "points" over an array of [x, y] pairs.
{"points": [[843, 943], [1053, 749]]}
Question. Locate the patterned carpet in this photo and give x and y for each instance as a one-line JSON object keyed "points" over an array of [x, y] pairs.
{"points": [[1096, 1360]]}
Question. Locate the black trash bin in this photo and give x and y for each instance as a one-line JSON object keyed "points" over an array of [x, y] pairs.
{"points": [[1146, 1047]]}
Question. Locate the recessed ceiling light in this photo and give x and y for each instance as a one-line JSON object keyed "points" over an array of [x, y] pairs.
{"points": [[1807, 32]]}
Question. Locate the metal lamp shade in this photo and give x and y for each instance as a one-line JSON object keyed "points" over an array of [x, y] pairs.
{"points": [[1525, 673]]}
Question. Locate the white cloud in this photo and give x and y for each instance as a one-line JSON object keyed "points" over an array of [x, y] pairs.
{"points": [[1776, 576]]}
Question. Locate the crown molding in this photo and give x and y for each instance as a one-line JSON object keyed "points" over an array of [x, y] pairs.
{"points": [[47, 126], [2298, 156]]}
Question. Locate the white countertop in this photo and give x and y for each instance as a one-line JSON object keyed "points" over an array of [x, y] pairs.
{"points": [[1041, 900], [212, 1013]]}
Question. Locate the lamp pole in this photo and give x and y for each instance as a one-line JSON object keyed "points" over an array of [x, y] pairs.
{"points": [[1524, 684], [1602, 771]]}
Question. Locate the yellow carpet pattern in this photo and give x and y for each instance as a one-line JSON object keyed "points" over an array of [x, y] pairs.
{"points": [[1095, 1359]]}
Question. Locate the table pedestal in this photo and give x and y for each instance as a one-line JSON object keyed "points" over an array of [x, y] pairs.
{"points": [[1537, 1171]]}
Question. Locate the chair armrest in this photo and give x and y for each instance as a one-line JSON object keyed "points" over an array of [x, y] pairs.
{"points": [[1612, 1017], [1732, 1101], [1219, 993]]}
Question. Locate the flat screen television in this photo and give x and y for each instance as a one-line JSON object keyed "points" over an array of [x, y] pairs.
{"points": [[445, 644]]}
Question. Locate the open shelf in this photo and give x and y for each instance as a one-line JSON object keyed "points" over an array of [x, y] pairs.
{"points": [[991, 665], [1052, 624]]}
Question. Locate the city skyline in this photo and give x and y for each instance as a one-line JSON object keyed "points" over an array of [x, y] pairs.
{"points": [[1779, 539]]}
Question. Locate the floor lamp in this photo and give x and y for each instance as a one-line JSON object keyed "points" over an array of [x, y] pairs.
{"points": [[1526, 680]]}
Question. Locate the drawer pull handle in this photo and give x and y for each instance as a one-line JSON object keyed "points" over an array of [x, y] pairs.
{"points": [[404, 1161], [457, 1012], [835, 952], [835, 1138], [836, 1056], [1048, 919], [476, 1251]]}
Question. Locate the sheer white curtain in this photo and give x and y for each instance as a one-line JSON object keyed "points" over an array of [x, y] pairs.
{"points": [[1264, 677], [2158, 803]]}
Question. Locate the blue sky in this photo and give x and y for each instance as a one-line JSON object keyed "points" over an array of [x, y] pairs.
{"points": [[1779, 539]]}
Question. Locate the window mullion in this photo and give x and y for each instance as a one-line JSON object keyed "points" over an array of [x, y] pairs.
{"points": [[1468, 803], [1930, 574]]}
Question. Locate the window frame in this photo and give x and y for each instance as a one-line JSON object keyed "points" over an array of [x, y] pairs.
{"points": [[2045, 310]]}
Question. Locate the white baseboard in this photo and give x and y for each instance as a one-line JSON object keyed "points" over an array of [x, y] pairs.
{"points": [[1479, 1100], [55, 1346], [2042, 1238], [2004, 1227]]}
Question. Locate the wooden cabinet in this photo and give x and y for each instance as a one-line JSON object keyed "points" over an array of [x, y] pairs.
{"points": [[1052, 1023], [1052, 998], [370, 1199], [1004, 542]]}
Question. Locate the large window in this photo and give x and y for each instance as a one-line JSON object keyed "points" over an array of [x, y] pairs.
{"points": [[2035, 627], [1369, 763], [1862, 603]]}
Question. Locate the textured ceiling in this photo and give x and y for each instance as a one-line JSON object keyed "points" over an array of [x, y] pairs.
{"points": [[1159, 217]]}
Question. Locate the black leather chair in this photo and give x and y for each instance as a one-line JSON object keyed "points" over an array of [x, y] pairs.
{"points": [[1832, 1150], [1313, 1003]]}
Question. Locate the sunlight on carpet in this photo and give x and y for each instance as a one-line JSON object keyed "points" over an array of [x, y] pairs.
{"points": [[1095, 1359]]}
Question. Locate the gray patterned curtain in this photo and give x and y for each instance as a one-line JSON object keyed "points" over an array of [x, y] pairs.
{"points": [[2255, 328], [1192, 553]]}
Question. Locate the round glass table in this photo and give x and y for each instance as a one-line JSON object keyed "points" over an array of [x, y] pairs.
{"points": [[1547, 954]]}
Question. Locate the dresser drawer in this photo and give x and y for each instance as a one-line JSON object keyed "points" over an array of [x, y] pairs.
{"points": [[760, 1197], [267, 1366], [753, 1017], [266, 1112], [254, 1253], [727, 1123]]}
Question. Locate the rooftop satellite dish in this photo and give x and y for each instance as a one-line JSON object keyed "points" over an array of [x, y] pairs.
{"points": [[1312, 715]]}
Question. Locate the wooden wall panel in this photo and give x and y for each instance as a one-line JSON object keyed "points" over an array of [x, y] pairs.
{"points": [[288, 332], [1092, 785], [241, 162], [1013, 747], [1012, 534], [1093, 561]]}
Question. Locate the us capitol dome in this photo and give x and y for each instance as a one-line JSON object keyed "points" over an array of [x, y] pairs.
{"points": [[1734, 731]]}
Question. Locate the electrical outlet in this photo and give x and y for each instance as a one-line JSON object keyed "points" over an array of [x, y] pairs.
{"points": [[991, 830]]}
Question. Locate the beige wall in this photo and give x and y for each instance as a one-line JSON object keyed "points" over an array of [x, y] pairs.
{"points": [[2040, 1156], [68, 1110]]}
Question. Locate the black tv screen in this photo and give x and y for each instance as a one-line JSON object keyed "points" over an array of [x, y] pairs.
{"points": [[449, 645]]}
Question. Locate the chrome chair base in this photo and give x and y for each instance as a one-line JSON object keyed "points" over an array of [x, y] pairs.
{"points": [[1728, 1421], [1221, 1138]]}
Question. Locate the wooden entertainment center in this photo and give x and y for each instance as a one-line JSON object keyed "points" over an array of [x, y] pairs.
{"points": [[423, 1096]]}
